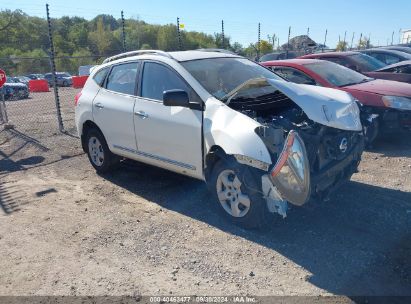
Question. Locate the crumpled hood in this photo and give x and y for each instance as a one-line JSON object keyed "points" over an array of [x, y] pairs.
{"points": [[329, 107]]}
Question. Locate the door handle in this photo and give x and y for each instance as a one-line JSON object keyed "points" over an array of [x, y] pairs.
{"points": [[99, 105], [142, 114]]}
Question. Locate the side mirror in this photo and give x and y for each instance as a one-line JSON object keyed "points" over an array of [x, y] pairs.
{"points": [[176, 98], [179, 98]]}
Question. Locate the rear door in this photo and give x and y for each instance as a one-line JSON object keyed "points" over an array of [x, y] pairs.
{"points": [[169, 137], [113, 108]]}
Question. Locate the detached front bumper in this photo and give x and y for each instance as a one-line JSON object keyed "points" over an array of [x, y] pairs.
{"points": [[330, 178], [395, 120]]}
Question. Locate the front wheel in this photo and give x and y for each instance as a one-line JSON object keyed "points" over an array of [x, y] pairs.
{"points": [[101, 158], [237, 189]]}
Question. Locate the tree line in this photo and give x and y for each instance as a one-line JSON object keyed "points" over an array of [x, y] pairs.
{"points": [[77, 41]]}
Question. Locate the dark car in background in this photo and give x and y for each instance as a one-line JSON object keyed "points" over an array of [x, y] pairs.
{"points": [[35, 76], [22, 79], [390, 100], [399, 48], [277, 56], [63, 79], [387, 56], [400, 70], [14, 90], [361, 63]]}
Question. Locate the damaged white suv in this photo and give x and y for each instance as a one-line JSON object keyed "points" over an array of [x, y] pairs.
{"points": [[258, 141]]}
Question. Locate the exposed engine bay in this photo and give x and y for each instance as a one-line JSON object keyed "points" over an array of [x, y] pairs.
{"points": [[333, 154]]}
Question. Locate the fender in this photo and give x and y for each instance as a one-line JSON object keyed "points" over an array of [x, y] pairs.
{"points": [[233, 131]]}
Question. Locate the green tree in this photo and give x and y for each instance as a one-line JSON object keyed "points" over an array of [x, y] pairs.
{"points": [[341, 46], [101, 38]]}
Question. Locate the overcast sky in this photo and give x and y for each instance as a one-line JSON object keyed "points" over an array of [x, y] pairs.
{"points": [[376, 18]]}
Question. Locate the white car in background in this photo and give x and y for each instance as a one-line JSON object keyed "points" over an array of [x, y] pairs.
{"points": [[258, 141]]}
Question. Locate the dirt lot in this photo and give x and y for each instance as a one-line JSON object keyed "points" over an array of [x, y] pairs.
{"points": [[64, 230]]}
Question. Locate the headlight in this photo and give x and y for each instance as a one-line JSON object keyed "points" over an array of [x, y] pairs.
{"points": [[397, 102], [291, 173]]}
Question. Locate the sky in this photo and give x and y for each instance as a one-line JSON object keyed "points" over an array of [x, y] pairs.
{"points": [[378, 19]]}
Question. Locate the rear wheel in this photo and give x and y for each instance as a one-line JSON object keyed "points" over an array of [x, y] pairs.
{"points": [[100, 156], [237, 189]]}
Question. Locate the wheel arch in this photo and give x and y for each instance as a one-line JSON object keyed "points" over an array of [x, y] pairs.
{"points": [[87, 125]]}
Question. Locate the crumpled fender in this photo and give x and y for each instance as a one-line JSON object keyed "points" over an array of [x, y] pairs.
{"points": [[233, 132], [327, 106]]}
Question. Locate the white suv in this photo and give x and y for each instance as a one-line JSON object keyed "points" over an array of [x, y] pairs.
{"points": [[258, 141]]}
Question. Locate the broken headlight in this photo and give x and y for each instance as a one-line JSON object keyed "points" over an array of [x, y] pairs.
{"points": [[291, 173]]}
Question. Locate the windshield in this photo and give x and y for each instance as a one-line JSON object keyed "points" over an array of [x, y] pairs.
{"points": [[336, 74], [219, 76], [367, 63]]}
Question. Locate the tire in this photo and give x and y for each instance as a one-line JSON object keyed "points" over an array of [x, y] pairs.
{"points": [[99, 155], [256, 214]]}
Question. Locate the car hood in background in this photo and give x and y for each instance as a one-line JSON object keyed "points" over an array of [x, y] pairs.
{"points": [[383, 87], [329, 107]]}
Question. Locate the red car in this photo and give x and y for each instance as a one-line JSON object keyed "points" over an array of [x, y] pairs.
{"points": [[390, 100], [361, 63]]}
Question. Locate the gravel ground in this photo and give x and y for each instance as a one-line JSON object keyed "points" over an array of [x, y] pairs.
{"points": [[64, 230]]}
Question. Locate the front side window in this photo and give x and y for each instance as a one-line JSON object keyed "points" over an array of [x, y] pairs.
{"points": [[158, 78], [367, 63], [294, 75], [122, 78]]}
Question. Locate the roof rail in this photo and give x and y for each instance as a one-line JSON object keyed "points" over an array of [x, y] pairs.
{"points": [[136, 53], [216, 50]]}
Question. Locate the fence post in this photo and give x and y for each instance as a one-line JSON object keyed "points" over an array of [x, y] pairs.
{"points": [[258, 41], [53, 72], [352, 40], [123, 32], [288, 42], [345, 37], [222, 33], [3, 110], [179, 34]]}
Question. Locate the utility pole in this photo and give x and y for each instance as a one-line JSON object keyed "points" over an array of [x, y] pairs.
{"points": [[325, 39], [258, 41], [180, 47], [222, 33], [308, 32], [352, 40], [53, 72], [359, 44], [392, 38], [123, 31], [288, 42], [345, 37]]}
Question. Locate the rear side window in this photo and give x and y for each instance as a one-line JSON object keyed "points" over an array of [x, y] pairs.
{"points": [[157, 78], [336, 60], [100, 76], [294, 75], [122, 78]]}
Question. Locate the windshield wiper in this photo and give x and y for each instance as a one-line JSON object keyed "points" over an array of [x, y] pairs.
{"points": [[354, 83]]}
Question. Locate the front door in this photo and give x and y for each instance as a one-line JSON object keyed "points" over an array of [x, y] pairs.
{"points": [[170, 137]]}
